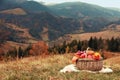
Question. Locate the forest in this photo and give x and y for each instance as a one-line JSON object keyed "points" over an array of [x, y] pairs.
{"points": [[112, 45], [40, 48]]}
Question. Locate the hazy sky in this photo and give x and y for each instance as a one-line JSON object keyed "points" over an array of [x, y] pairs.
{"points": [[104, 3]]}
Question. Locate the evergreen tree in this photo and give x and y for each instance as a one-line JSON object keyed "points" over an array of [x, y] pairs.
{"points": [[26, 51], [84, 45], [112, 44], [100, 43], [73, 46], [95, 43], [90, 43], [79, 45], [11, 54], [20, 52], [119, 44], [63, 47]]}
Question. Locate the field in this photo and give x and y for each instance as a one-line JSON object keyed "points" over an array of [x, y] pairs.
{"points": [[102, 34], [47, 68], [105, 34]]}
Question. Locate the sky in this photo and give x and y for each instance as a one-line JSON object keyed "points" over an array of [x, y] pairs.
{"points": [[104, 3]]}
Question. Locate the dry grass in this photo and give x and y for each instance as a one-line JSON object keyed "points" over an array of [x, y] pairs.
{"points": [[108, 34], [47, 68], [24, 31], [110, 54], [114, 61], [16, 11]]}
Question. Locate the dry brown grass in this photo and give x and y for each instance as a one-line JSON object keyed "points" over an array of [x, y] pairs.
{"points": [[44, 34], [16, 11], [113, 61], [108, 34], [110, 54], [47, 68], [25, 31]]}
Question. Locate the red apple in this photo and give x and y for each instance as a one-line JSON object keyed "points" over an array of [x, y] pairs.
{"points": [[90, 56], [79, 53], [83, 55]]}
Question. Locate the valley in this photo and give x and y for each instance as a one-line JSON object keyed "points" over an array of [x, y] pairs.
{"points": [[27, 22], [37, 40]]}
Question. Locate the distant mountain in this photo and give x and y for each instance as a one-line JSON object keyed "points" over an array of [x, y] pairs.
{"points": [[28, 6], [44, 26], [11, 32], [114, 22], [34, 7], [116, 9], [80, 10], [5, 5], [94, 24], [36, 23], [69, 9], [29, 21]]}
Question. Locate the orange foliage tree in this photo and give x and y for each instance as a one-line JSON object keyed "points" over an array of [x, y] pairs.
{"points": [[39, 48]]}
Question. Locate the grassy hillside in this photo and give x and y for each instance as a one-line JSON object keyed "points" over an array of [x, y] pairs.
{"points": [[79, 10], [16, 11], [34, 7], [106, 34], [36, 23], [103, 34], [28, 6], [47, 68], [35, 17]]}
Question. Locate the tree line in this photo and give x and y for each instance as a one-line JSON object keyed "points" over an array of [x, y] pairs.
{"points": [[15, 53], [36, 49], [40, 48], [96, 44]]}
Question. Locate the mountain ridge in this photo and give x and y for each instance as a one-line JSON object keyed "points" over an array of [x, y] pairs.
{"points": [[41, 20], [80, 9]]}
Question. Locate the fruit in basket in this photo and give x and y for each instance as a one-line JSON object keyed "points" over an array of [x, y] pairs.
{"points": [[84, 55], [74, 59], [90, 52], [79, 53], [90, 56], [97, 56]]}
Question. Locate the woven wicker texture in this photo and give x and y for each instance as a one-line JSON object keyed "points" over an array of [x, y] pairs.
{"points": [[93, 65]]}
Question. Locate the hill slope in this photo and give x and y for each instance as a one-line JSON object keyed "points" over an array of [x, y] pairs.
{"points": [[47, 68], [79, 10], [106, 34], [34, 7], [28, 6], [16, 11], [38, 21]]}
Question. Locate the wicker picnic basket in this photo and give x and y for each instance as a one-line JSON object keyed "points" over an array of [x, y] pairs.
{"points": [[93, 65]]}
